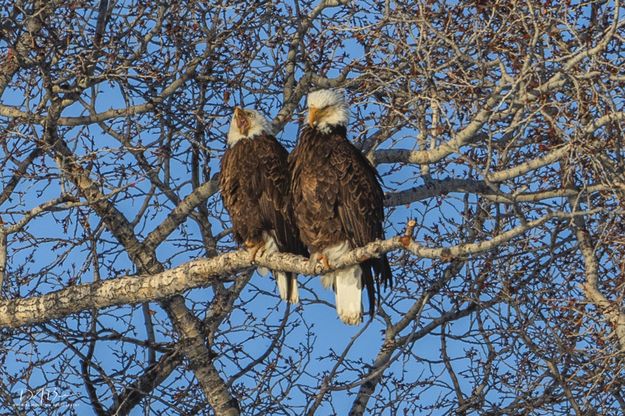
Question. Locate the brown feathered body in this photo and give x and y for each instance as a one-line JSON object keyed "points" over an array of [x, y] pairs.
{"points": [[336, 199], [254, 182]]}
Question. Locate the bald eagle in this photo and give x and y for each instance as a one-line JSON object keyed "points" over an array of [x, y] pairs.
{"points": [[338, 202], [254, 182]]}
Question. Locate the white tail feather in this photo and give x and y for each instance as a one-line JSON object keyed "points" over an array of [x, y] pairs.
{"points": [[283, 286], [347, 285], [327, 280], [281, 278]]}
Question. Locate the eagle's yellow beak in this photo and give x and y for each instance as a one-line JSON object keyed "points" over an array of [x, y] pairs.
{"points": [[238, 112], [241, 119], [313, 113]]}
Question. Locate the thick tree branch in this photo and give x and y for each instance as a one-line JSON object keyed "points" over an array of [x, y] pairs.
{"points": [[530, 165], [202, 272], [438, 188]]}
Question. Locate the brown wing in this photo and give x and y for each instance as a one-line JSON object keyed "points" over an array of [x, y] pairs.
{"points": [[274, 201], [360, 195], [361, 203]]}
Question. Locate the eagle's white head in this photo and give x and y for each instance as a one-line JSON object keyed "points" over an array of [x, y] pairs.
{"points": [[327, 108], [247, 124]]}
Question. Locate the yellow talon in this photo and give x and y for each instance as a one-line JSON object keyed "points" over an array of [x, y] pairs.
{"points": [[254, 248], [324, 261]]}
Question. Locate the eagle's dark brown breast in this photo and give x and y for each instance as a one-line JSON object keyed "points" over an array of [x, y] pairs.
{"points": [[315, 190]]}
